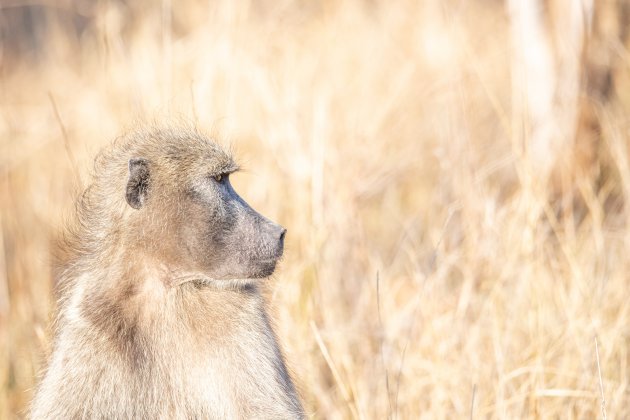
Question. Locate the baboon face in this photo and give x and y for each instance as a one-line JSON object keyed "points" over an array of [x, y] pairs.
{"points": [[210, 227]]}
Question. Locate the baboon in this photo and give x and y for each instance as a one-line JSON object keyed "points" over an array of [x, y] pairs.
{"points": [[161, 314]]}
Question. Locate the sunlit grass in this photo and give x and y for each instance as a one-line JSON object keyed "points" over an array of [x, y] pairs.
{"points": [[427, 256]]}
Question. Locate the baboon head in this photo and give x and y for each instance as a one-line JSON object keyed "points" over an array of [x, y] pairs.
{"points": [[184, 208]]}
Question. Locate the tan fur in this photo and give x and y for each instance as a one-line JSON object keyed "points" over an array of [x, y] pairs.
{"points": [[143, 332]]}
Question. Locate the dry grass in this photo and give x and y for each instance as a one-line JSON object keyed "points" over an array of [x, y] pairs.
{"points": [[429, 263]]}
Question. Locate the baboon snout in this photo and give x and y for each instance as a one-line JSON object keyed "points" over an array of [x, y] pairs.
{"points": [[275, 234], [283, 232], [264, 246]]}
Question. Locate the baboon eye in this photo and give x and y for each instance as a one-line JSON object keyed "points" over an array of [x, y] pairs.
{"points": [[220, 177]]}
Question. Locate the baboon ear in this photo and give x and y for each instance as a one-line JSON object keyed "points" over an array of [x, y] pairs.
{"points": [[138, 182]]}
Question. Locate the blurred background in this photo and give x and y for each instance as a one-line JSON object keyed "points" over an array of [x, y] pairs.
{"points": [[454, 176]]}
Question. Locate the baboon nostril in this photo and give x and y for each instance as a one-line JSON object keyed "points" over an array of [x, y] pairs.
{"points": [[282, 233]]}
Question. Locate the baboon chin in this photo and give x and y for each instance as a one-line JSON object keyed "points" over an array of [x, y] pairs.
{"points": [[160, 314]]}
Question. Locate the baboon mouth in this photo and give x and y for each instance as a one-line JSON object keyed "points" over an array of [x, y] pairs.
{"points": [[266, 267]]}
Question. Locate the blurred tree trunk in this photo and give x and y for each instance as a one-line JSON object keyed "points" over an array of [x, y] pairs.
{"points": [[569, 72], [605, 73], [548, 41]]}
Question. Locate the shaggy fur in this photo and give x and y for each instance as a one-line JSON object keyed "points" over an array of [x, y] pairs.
{"points": [[160, 313]]}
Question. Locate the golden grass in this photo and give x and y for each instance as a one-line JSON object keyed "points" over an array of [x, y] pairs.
{"points": [[429, 269]]}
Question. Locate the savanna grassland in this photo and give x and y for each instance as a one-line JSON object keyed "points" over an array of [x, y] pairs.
{"points": [[457, 216]]}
